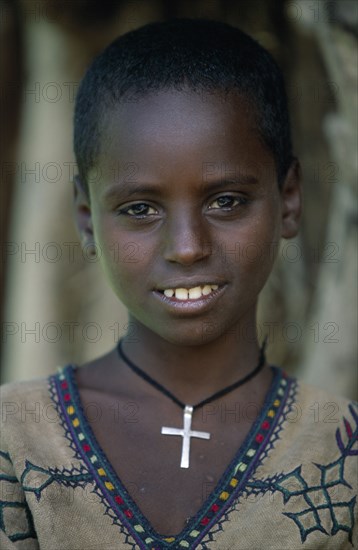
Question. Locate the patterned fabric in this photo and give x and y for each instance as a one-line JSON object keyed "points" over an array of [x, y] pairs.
{"points": [[292, 483]]}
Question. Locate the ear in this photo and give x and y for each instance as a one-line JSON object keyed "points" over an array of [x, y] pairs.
{"points": [[291, 200], [82, 212]]}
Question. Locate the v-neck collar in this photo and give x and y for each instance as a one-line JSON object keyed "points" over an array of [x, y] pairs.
{"points": [[254, 449]]}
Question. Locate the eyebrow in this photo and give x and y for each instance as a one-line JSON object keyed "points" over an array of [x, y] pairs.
{"points": [[242, 179], [130, 188]]}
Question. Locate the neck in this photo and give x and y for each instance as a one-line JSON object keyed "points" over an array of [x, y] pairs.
{"points": [[197, 370]]}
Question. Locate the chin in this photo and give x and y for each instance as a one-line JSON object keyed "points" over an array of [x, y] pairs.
{"points": [[192, 337]]}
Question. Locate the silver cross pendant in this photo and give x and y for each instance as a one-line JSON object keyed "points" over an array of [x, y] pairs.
{"points": [[186, 433]]}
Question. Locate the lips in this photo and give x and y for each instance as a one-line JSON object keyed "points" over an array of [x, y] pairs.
{"points": [[190, 283], [182, 301], [190, 293]]}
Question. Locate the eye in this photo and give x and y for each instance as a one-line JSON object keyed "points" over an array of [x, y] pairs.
{"points": [[138, 210], [227, 202]]}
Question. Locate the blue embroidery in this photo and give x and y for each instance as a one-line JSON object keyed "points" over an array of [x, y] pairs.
{"points": [[76, 477], [293, 484], [20, 505]]}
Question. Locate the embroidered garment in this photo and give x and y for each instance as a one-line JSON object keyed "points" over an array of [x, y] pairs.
{"points": [[292, 483]]}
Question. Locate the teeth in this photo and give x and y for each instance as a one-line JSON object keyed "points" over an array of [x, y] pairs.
{"points": [[169, 292], [181, 293], [191, 293], [206, 290], [194, 293]]}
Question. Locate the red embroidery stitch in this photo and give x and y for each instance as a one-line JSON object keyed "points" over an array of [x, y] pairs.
{"points": [[120, 501], [348, 428]]}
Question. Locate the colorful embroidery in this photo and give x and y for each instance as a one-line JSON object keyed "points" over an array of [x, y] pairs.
{"points": [[331, 478], [117, 501]]}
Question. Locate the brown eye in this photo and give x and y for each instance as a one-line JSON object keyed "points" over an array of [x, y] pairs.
{"points": [[227, 202], [140, 209]]}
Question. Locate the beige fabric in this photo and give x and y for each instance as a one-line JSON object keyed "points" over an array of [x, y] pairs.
{"points": [[76, 518]]}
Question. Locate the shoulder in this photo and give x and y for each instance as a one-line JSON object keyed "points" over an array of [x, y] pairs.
{"points": [[323, 405], [23, 390], [19, 398], [28, 412], [318, 421]]}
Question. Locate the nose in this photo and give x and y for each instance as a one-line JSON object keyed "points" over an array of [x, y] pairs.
{"points": [[186, 237]]}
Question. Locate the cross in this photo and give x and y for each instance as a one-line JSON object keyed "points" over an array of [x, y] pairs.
{"points": [[186, 433]]}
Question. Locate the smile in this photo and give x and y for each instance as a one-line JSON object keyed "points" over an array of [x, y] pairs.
{"points": [[197, 299], [190, 293]]}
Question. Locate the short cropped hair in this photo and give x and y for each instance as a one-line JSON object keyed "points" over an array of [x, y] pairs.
{"points": [[180, 54]]}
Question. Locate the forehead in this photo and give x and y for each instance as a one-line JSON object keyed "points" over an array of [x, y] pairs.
{"points": [[183, 131]]}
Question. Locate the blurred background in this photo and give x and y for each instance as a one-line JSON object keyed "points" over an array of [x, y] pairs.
{"points": [[56, 307]]}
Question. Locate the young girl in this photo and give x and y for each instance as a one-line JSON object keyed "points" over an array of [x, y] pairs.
{"points": [[182, 436]]}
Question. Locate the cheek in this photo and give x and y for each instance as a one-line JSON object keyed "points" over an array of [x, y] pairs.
{"points": [[125, 261], [253, 250]]}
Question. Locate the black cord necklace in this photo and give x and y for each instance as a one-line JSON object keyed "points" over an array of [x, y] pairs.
{"points": [[186, 432]]}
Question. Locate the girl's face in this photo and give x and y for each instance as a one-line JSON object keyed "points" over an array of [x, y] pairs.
{"points": [[185, 195]]}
